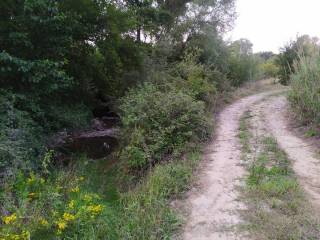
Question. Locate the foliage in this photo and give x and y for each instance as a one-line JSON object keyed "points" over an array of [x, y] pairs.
{"points": [[270, 69], [53, 207], [145, 211], [305, 81], [83, 203], [164, 62], [290, 53], [197, 79], [151, 133], [243, 64], [20, 136]]}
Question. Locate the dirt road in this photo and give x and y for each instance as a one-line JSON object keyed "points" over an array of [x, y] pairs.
{"points": [[213, 204], [306, 164]]}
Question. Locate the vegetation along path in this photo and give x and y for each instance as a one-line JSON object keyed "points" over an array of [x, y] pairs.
{"points": [[214, 205]]}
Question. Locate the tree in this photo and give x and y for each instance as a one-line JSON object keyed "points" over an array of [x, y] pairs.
{"points": [[243, 64], [289, 55]]}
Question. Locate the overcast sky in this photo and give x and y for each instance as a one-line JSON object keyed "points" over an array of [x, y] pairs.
{"points": [[269, 24]]}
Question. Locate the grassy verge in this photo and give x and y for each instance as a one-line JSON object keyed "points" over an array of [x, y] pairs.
{"points": [[87, 202], [276, 207]]}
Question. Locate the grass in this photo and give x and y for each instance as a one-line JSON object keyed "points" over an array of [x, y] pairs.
{"points": [[135, 211], [304, 95], [244, 134], [276, 206], [311, 133], [145, 212]]}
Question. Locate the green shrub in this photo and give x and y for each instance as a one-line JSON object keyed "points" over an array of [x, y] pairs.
{"points": [[26, 127], [197, 78], [20, 137], [158, 121], [289, 54]]}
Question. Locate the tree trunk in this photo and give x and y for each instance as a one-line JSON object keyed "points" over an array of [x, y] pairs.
{"points": [[139, 34]]}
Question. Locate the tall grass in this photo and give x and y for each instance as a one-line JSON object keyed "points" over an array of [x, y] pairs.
{"points": [[305, 82]]}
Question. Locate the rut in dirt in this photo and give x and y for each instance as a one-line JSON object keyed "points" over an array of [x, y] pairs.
{"points": [[213, 205]]}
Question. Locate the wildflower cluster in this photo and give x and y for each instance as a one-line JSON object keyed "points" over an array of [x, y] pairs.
{"points": [[9, 219], [53, 208], [25, 235]]}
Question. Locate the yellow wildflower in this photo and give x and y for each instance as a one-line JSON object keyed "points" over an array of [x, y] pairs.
{"points": [[43, 222], [68, 217], [71, 204], [62, 225], [81, 178], [75, 189], [87, 198], [31, 179], [9, 219], [95, 209], [25, 235]]}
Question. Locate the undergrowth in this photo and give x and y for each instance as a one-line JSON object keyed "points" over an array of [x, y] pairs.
{"points": [[304, 96], [276, 206], [87, 202]]}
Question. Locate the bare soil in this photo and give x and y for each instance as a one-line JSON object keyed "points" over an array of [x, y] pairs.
{"points": [[213, 204], [302, 153]]}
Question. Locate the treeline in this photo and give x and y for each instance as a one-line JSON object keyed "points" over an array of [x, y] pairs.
{"points": [[61, 59], [299, 67], [162, 65]]}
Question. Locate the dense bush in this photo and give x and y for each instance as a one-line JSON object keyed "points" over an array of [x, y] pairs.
{"points": [[196, 78], [290, 54], [305, 86], [22, 137], [243, 64], [269, 68], [158, 121]]}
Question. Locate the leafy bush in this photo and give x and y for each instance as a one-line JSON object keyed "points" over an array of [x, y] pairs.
{"points": [[305, 87], [243, 65], [197, 78], [269, 69], [290, 54], [22, 138], [158, 121]]}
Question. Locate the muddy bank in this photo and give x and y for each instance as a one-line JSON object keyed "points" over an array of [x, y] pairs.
{"points": [[97, 141]]}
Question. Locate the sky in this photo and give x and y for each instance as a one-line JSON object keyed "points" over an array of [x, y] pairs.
{"points": [[269, 24]]}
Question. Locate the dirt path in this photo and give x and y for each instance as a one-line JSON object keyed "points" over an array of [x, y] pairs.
{"points": [[213, 204], [272, 114], [305, 162]]}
